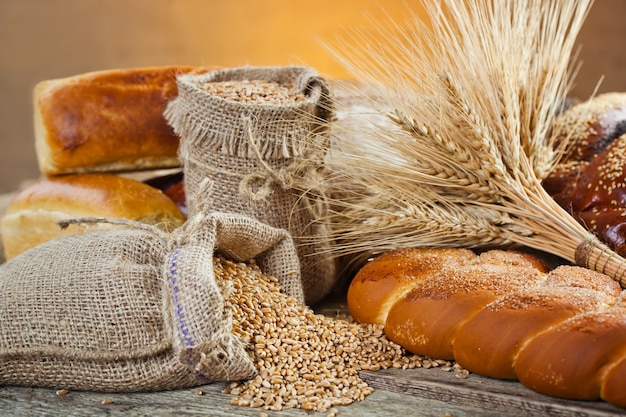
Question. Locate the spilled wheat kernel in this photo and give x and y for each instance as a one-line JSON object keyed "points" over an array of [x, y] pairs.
{"points": [[304, 360]]}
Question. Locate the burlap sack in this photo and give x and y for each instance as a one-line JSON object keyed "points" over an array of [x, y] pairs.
{"points": [[132, 309], [262, 158]]}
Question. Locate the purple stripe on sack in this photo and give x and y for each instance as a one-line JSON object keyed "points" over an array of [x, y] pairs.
{"points": [[180, 315]]}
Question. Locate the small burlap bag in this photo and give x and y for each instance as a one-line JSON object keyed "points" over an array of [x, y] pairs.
{"points": [[132, 309], [262, 155]]}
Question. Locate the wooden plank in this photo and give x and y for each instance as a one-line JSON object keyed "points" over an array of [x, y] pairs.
{"points": [[16, 401], [476, 391], [423, 392]]}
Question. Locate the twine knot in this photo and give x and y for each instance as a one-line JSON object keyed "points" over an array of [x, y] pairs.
{"points": [[258, 186]]}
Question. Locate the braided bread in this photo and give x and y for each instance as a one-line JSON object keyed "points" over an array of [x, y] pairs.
{"points": [[501, 314]]}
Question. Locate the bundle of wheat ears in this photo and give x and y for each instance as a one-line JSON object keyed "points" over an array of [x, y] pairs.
{"points": [[465, 99]]}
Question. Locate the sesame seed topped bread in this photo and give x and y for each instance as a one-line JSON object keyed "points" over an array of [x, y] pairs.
{"points": [[590, 181], [501, 314], [109, 120], [603, 119]]}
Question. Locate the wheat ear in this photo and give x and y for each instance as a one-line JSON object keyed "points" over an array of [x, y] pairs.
{"points": [[460, 142]]}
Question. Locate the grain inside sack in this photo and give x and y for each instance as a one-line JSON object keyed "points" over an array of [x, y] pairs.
{"points": [[254, 91], [258, 134]]}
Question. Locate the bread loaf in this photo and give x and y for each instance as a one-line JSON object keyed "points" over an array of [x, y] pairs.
{"points": [[590, 182], [110, 120], [574, 357], [592, 125], [32, 215], [501, 314]]}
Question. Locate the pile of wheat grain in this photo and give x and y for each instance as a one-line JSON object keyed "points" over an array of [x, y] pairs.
{"points": [[304, 360]]}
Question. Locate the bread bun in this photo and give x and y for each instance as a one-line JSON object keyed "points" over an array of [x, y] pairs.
{"points": [[108, 120], [501, 314], [32, 215], [590, 183], [592, 125]]}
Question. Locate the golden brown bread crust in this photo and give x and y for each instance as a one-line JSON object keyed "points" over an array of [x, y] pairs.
{"points": [[388, 277], [31, 217], [108, 120], [528, 312], [428, 318], [429, 325], [571, 360], [612, 389], [490, 340], [504, 314]]}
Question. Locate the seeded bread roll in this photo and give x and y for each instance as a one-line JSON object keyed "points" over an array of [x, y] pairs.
{"points": [[593, 125], [108, 120], [32, 215], [496, 314], [590, 182]]}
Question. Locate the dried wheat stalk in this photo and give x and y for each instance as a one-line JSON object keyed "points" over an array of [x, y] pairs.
{"points": [[458, 157]]}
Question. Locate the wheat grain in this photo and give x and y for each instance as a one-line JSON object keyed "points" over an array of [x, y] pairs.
{"points": [[253, 91], [304, 360]]}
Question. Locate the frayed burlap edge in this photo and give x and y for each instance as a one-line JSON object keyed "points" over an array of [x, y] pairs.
{"points": [[187, 114]]}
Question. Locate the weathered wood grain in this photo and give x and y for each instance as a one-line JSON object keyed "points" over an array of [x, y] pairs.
{"points": [[476, 391], [17, 402], [416, 392]]}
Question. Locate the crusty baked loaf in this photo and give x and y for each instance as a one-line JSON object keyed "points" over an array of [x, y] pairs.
{"points": [[502, 314], [109, 120], [32, 215], [590, 182], [592, 125]]}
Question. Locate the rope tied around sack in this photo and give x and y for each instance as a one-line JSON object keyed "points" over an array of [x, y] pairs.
{"points": [[258, 186]]}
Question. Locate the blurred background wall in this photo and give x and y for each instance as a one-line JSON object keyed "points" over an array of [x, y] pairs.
{"points": [[44, 39]]}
